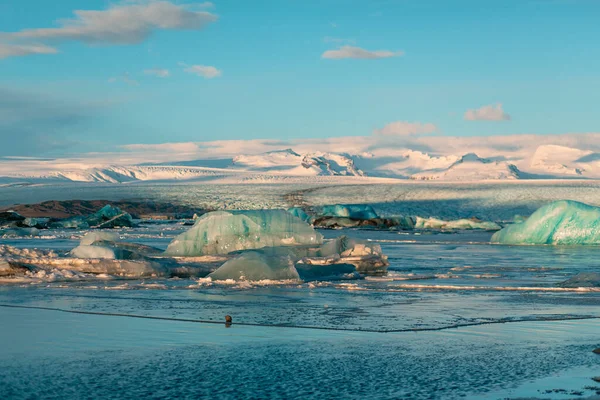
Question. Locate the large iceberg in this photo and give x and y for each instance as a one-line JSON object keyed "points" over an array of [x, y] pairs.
{"points": [[300, 213], [564, 222], [223, 232], [357, 211]]}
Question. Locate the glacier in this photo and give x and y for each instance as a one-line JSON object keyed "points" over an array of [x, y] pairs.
{"points": [[223, 232], [564, 222]]}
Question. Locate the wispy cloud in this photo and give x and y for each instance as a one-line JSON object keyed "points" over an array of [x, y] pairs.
{"points": [[205, 71], [493, 112], [405, 128], [357, 52], [125, 78], [330, 39], [126, 23], [161, 73], [18, 50]]}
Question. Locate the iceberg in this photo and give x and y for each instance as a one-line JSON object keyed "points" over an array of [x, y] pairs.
{"points": [[300, 213], [107, 217], [258, 266], [10, 218], [107, 245], [358, 211], [110, 217], [582, 279], [223, 232], [18, 232], [563, 222], [39, 223], [434, 223]]}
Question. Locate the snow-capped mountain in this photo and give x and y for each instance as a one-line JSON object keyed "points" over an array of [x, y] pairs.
{"points": [[431, 158]]}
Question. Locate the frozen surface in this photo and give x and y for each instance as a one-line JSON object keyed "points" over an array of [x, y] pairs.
{"points": [[223, 232], [559, 223]]}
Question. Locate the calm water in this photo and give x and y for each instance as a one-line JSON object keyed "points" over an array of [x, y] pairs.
{"points": [[454, 317]]}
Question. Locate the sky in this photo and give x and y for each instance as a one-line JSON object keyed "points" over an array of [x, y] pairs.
{"points": [[99, 76]]}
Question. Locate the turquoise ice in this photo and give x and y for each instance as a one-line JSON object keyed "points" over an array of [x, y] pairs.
{"points": [[358, 211], [223, 232], [258, 266], [564, 222], [300, 213]]}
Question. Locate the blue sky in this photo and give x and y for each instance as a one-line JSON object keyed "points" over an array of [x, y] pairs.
{"points": [[520, 66]]}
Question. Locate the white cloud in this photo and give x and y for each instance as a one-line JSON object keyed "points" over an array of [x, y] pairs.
{"points": [[161, 73], [493, 112], [17, 50], [404, 128], [121, 24], [357, 52], [205, 71]]}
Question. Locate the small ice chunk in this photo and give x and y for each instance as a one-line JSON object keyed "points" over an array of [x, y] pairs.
{"points": [[434, 223], [88, 251], [19, 232], [563, 222], [312, 272], [91, 237], [582, 279], [110, 217], [223, 232], [257, 266], [353, 211]]}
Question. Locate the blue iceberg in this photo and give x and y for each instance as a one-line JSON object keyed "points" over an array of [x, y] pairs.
{"points": [[358, 211], [300, 213], [258, 266], [223, 232], [564, 222]]}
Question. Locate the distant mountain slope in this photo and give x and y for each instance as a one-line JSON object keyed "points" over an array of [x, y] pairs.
{"points": [[473, 168], [439, 158]]}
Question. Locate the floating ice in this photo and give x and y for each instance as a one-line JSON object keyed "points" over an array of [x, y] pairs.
{"points": [[434, 223], [257, 266], [300, 213], [223, 232], [9, 218], [39, 223], [564, 222], [582, 279], [107, 217], [70, 223], [18, 232], [358, 211], [110, 217], [107, 245], [91, 237], [88, 251]]}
